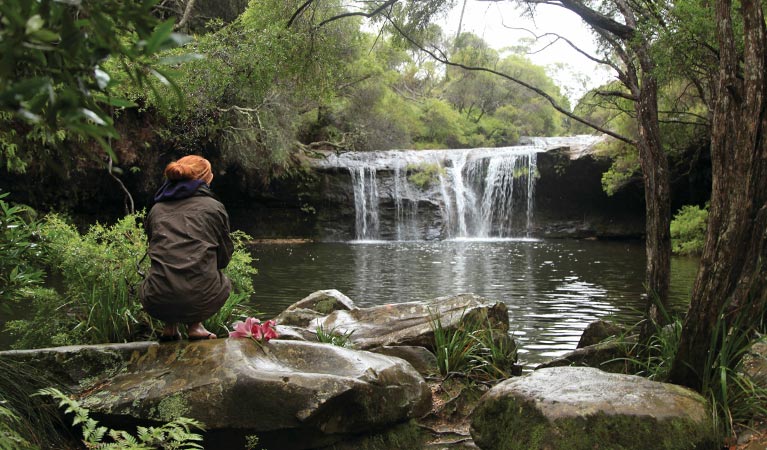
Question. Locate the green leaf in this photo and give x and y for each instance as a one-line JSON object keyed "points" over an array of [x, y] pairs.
{"points": [[114, 101], [34, 23], [161, 34], [45, 35], [179, 59]]}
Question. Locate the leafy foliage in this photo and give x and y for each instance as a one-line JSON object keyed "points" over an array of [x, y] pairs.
{"points": [[26, 422], [473, 349], [99, 270], [52, 75], [737, 399], [688, 230], [10, 439], [18, 271], [177, 434]]}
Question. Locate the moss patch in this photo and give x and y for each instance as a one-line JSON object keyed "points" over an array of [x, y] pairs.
{"points": [[513, 424], [170, 408], [325, 306]]}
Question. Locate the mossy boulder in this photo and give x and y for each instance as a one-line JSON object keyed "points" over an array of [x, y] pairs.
{"points": [[599, 331], [315, 305], [581, 408], [76, 366]]}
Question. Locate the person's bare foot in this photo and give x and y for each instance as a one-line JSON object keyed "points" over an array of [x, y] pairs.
{"points": [[170, 333], [197, 332]]}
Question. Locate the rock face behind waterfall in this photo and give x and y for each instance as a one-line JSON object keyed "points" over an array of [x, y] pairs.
{"points": [[548, 188]]}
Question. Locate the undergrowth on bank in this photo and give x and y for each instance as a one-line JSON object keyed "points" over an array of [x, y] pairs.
{"points": [[99, 277], [688, 230], [735, 397], [473, 348], [26, 422]]}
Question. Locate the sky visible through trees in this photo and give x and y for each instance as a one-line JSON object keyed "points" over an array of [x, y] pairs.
{"points": [[502, 24]]}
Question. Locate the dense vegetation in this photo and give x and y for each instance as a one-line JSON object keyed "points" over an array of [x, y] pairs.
{"points": [[288, 77], [256, 93], [100, 272]]}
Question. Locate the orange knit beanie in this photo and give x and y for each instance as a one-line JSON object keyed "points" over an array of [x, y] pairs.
{"points": [[190, 167]]}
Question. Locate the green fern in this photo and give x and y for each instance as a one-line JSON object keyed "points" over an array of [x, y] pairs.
{"points": [[176, 435]]}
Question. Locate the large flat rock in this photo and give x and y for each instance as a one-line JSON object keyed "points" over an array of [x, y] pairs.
{"points": [[292, 394]]}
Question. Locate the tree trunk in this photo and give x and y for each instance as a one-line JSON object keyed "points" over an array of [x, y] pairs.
{"points": [[731, 284], [657, 204]]}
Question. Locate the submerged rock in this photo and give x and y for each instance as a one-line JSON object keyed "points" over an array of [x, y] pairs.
{"points": [[584, 408]]}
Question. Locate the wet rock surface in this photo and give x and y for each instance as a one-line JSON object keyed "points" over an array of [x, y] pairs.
{"points": [[411, 323], [585, 408], [293, 395]]}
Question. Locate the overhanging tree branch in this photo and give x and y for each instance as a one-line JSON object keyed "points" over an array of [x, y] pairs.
{"points": [[298, 12], [375, 12], [444, 60]]}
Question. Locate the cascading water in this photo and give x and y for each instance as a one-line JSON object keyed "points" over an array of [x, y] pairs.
{"points": [[365, 201], [476, 193]]}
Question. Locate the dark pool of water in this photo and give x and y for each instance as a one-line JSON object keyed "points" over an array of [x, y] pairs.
{"points": [[553, 288]]}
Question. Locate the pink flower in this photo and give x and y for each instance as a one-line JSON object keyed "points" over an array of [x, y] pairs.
{"points": [[254, 329], [245, 329], [267, 330]]}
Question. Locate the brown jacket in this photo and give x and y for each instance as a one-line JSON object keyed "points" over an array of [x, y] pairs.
{"points": [[189, 244]]}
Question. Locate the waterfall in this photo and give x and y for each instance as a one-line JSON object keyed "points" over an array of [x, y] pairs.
{"points": [[365, 201], [461, 193], [406, 209]]}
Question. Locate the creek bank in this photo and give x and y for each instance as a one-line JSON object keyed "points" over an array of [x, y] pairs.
{"points": [[292, 394], [303, 395]]}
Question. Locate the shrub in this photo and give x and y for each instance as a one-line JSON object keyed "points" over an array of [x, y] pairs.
{"points": [[473, 349], [99, 272], [688, 230], [424, 175], [19, 250]]}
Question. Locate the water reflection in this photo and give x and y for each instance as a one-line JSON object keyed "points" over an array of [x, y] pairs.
{"points": [[553, 289]]}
